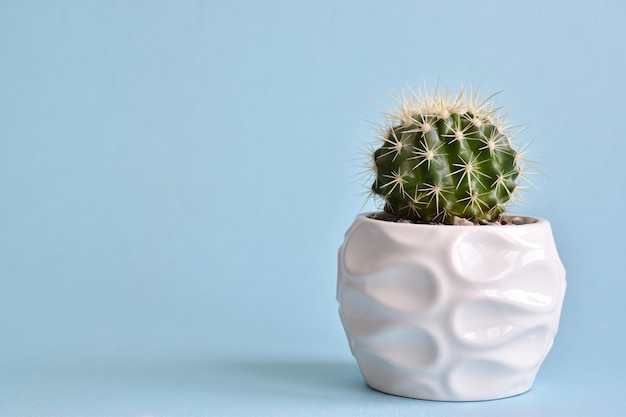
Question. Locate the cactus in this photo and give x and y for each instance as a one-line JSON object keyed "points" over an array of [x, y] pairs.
{"points": [[446, 158]]}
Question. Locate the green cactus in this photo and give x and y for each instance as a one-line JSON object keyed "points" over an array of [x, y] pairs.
{"points": [[446, 158]]}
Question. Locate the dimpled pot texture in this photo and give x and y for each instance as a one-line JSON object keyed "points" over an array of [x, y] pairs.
{"points": [[449, 313]]}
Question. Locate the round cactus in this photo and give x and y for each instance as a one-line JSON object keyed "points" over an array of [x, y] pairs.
{"points": [[446, 158]]}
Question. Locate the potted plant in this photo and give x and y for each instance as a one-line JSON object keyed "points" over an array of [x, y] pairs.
{"points": [[443, 296]]}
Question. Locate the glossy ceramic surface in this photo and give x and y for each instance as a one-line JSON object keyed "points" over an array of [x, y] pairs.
{"points": [[450, 313]]}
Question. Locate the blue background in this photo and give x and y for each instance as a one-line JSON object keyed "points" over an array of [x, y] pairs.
{"points": [[176, 177]]}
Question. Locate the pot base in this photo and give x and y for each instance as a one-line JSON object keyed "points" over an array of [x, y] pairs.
{"points": [[422, 397]]}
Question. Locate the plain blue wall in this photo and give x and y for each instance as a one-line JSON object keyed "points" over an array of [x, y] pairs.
{"points": [[177, 176]]}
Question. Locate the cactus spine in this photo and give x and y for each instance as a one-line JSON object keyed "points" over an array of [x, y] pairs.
{"points": [[443, 158]]}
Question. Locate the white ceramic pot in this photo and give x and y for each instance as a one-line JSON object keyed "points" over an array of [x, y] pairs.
{"points": [[449, 313]]}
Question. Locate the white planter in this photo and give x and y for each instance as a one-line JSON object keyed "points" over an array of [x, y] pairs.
{"points": [[449, 313]]}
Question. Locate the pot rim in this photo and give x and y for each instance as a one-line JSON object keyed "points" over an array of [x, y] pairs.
{"points": [[536, 221]]}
